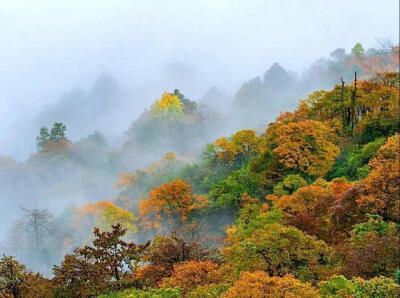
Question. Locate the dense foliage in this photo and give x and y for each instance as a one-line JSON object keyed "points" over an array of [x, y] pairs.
{"points": [[308, 208]]}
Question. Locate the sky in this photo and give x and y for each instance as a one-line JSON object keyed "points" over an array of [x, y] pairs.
{"points": [[50, 47]]}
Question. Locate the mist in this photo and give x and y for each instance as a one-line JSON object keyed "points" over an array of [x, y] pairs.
{"points": [[98, 67], [49, 48]]}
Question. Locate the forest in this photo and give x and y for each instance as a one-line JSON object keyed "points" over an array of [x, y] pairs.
{"points": [[211, 204]]}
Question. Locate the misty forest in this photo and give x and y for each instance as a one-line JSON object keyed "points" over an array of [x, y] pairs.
{"points": [[285, 185]]}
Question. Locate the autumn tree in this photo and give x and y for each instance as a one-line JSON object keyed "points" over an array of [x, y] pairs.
{"points": [[340, 286], [91, 269], [78, 276], [307, 209], [35, 285], [191, 274], [241, 145], [310, 207], [259, 284], [382, 187], [279, 250], [306, 146], [104, 214], [171, 199], [12, 276], [345, 213], [191, 242], [372, 250], [126, 180], [168, 107]]}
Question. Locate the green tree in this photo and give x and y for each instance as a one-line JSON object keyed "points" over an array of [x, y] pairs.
{"points": [[357, 49], [339, 286], [57, 133], [43, 138], [189, 106]]}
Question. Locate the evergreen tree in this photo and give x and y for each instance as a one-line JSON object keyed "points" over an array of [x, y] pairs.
{"points": [[57, 133], [43, 138]]}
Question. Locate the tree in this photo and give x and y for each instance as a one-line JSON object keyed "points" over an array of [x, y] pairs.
{"points": [[267, 170], [227, 192], [35, 285], [306, 146], [307, 209], [209, 290], [145, 293], [340, 286], [17, 281], [12, 276], [190, 242], [259, 284], [89, 270], [112, 252], [289, 185], [372, 250], [57, 132], [55, 141], [241, 145], [31, 236], [43, 138], [36, 222], [345, 213], [188, 105], [175, 198], [191, 274], [104, 214], [279, 250], [382, 187], [78, 276], [168, 107]]}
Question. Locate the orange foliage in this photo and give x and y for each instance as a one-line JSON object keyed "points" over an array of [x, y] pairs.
{"points": [[372, 64], [94, 208], [63, 146], [126, 180], [191, 274], [103, 214], [307, 146], [169, 199], [382, 186], [259, 285], [307, 209], [150, 275]]}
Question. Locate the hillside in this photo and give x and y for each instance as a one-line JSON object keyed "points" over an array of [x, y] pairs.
{"points": [[309, 206]]}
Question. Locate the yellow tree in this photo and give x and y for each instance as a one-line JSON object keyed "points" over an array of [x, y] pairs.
{"points": [[103, 214], [307, 146], [242, 143], [278, 250], [168, 107]]}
